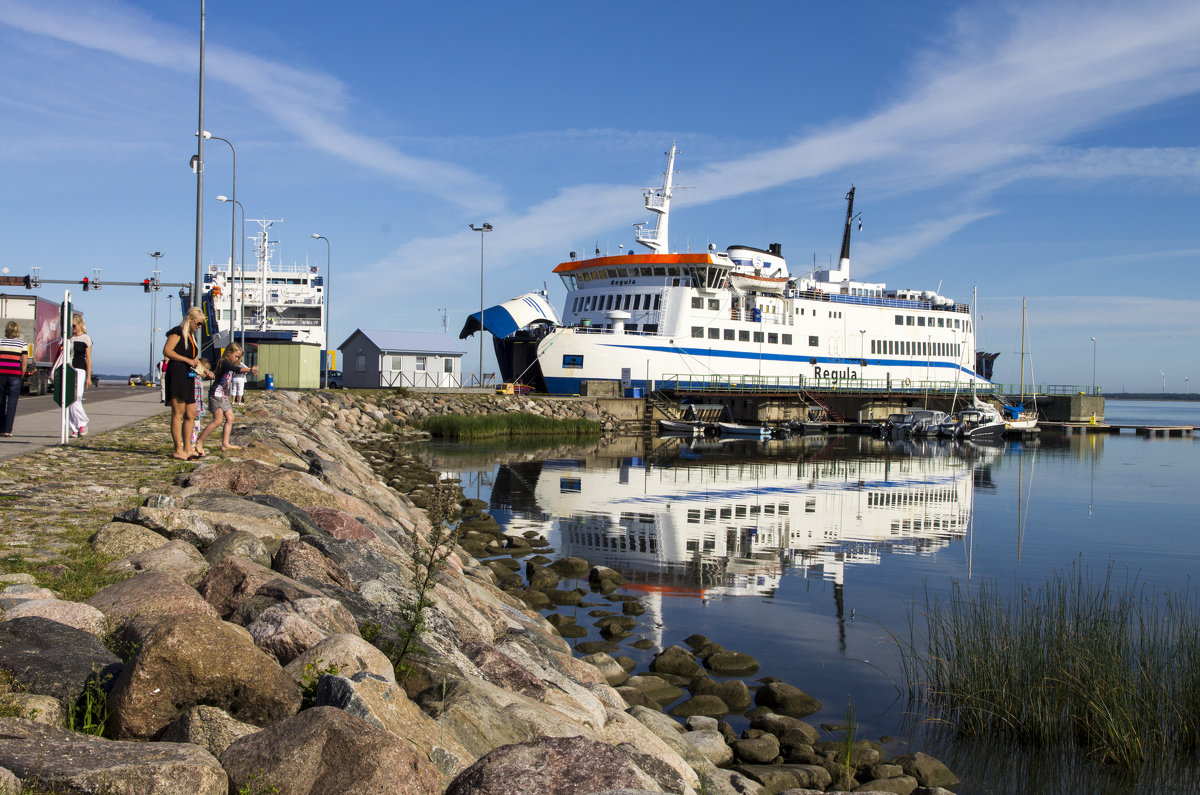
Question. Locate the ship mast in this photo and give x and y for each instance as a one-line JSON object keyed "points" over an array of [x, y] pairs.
{"points": [[844, 260], [658, 200]]}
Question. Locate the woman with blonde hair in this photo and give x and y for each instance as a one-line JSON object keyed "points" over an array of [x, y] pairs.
{"points": [[79, 349], [183, 356]]}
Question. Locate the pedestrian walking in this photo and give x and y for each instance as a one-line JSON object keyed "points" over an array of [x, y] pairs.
{"points": [[79, 349], [14, 359]]}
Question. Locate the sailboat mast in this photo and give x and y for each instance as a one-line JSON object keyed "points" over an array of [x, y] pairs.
{"points": [[1022, 378]]}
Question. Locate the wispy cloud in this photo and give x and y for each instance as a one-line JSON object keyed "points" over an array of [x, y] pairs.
{"points": [[994, 103], [310, 104]]}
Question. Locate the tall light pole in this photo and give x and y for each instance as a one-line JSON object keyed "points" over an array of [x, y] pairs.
{"points": [[481, 229], [1093, 365], [241, 277], [328, 292], [232, 225], [153, 312], [198, 165]]}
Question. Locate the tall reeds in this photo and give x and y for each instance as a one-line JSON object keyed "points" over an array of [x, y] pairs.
{"points": [[510, 425], [1112, 669]]}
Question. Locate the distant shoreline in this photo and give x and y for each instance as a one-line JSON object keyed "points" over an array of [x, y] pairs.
{"points": [[1191, 396]]}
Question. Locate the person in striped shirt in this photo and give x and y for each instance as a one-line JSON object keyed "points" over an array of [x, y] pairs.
{"points": [[14, 358]]}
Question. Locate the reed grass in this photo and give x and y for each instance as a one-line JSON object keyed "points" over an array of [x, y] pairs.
{"points": [[1113, 669], [510, 425]]}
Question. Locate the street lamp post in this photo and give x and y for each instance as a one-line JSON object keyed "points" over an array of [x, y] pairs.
{"points": [[153, 313], [486, 227], [241, 278], [232, 224], [328, 293], [1093, 365]]}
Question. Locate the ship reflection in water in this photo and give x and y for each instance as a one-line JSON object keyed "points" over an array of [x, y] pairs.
{"points": [[713, 520]]}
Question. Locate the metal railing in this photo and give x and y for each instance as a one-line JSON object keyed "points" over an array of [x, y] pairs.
{"points": [[723, 382]]}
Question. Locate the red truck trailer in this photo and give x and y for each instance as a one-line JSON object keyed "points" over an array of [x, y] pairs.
{"points": [[40, 328]]}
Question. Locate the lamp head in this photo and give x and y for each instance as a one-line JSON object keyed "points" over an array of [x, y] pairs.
{"points": [[315, 236], [222, 198]]}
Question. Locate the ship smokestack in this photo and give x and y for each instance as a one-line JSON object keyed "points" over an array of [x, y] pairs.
{"points": [[844, 264]]}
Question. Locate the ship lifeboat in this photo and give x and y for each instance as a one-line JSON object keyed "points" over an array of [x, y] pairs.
{"points": [[746, 282]]}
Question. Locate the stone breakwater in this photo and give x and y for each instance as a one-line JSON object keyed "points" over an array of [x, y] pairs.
{"points": [[247, 648]]}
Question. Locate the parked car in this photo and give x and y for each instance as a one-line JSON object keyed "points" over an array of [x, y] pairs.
{"points": [[333, 378], [137, 379]]}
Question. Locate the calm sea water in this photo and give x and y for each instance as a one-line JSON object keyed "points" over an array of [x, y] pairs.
{"points": [[807, 552]]}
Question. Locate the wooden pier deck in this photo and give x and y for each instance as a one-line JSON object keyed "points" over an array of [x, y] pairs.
{"points": [[1104, 427]]}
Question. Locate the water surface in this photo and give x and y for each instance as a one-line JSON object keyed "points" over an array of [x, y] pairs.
{"points": [[808, 552]]}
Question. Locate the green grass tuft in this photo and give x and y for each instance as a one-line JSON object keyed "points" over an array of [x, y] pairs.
{"points": [[510, 425], [1111, 669]]}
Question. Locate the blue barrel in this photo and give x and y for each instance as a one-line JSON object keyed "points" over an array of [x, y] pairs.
{"points": [[270, 381]]}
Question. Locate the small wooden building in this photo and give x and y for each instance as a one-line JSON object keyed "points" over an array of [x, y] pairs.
{"points": [[372, 358]]}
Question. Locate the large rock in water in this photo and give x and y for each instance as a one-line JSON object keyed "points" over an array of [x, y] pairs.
{"points": [[785, 699], [190, 660], [65, 761], [550, 766], [52, 659], [325, 750]]}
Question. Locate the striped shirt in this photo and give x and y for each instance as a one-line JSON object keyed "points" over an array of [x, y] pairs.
{"points": [[11, 349]]}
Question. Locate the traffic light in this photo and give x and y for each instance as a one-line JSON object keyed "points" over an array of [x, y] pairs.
{"points": [[145, 285], [86, 283], [28, 282]]}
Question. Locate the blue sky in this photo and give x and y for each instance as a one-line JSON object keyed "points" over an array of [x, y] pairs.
{"points": [[1044, 150]]}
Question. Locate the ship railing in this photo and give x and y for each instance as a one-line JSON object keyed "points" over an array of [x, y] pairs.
{"points": [[740, 382], [871, 300]]}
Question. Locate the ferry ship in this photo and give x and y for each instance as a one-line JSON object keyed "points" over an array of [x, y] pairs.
{"points": [[727, 318], [267, 301]]}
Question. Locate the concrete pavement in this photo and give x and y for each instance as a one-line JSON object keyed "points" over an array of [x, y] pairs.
{"points": [[108, 407]]}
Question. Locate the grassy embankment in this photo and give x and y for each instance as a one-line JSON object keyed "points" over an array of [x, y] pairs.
{"points": [[1111, 669], [513, 425]]}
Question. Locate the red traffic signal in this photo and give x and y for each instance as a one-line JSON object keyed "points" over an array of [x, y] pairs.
{"points": [[145, 285], [86, 283]]}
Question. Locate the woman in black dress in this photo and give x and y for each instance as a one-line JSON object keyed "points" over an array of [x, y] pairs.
{"points": [[182, 355]]}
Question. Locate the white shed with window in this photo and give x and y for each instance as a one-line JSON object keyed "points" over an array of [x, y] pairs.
{"points": [[372, 358]]}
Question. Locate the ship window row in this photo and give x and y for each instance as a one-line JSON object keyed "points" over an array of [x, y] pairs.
{"points": [[893, 499], [942, 322], [629, 301], [915, 348], [620, 542], [737, 511], [743, 335]]}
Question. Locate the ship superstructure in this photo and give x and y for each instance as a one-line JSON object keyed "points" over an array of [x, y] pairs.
{"points": [[268, 301]]}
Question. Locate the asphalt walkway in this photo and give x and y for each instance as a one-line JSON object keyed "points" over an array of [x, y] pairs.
{"points": [[108, 407]]}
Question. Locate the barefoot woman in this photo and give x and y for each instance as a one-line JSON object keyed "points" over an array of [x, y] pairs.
{"points": [[182, 355]]}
